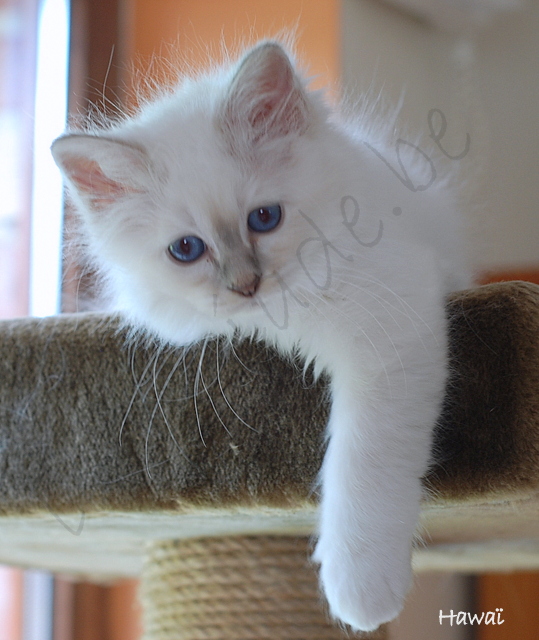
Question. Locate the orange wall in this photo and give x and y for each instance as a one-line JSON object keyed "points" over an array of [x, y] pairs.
{"points": [[194, 31], [105, 613], [518, 595]]}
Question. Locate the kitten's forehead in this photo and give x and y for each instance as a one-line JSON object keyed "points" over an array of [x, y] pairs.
{"points": [[211, 204], [206, 186], [215, 200], [204, 180], [196, 169]]}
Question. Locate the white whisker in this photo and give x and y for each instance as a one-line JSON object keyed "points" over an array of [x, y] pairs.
{"points": [[158, 404], [223, 392], [138, 386], [235, 354], [196, 384], [213, 404]]}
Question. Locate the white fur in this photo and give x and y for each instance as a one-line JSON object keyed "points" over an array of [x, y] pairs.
{"points": [[198, 161]]}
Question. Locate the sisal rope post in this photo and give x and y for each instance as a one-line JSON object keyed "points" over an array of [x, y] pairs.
{"points": [[235, 588]]}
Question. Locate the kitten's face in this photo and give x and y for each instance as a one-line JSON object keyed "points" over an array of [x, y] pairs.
{"points": [[194, 210], [223, 247]]}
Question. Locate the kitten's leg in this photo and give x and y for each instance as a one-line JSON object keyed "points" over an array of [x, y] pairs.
{"points": [[379, 447]]}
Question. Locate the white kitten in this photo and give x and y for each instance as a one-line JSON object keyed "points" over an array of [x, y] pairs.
{"points": [[240, 202]]}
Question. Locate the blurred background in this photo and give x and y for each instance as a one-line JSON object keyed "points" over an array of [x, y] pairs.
{"points": [[476, 62]]}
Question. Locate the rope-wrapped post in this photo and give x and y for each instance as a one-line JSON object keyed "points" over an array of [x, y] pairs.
{"points": [[235, 588]]}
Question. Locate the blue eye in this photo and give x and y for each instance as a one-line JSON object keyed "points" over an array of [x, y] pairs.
{"points": [[264, 218], [187, 249]]}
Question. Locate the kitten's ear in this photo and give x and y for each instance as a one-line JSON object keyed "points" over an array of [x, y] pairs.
{"points": [[266, 99], [101, 170]]}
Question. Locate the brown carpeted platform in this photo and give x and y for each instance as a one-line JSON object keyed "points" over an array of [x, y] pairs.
{"points": [[104, 446]]}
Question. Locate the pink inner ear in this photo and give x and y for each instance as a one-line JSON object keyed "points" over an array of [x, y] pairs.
{"points": [[265, 95], [90, 180], [274, 86]]}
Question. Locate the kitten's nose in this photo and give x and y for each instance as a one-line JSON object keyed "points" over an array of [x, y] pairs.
{"points": [[246, 288]]}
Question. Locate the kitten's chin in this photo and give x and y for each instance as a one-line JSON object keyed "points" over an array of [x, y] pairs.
{"points": [[237, 307]]}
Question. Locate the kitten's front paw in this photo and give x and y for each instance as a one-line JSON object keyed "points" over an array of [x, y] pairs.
{"points": [[364, 590]]}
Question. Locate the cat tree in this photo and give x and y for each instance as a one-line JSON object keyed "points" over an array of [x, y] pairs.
{"points": [[111, 468]]}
